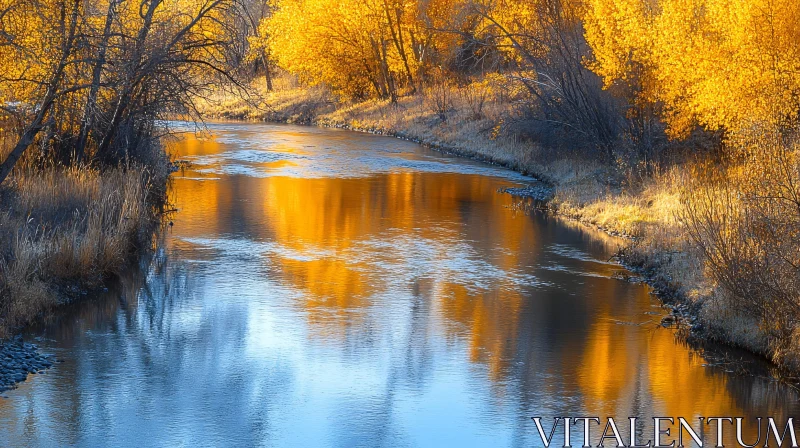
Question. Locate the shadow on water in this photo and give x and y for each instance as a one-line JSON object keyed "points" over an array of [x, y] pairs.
{"points": [[324, 288]]}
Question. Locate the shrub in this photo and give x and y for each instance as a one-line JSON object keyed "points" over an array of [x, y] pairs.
{"points": [[746, 222]]}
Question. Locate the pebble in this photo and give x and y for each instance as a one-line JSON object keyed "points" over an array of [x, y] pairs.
{"points": [[17, 360]]}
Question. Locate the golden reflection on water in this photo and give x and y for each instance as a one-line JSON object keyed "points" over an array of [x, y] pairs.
{"points": [[622, 362], [322, 222], [319, 221]]}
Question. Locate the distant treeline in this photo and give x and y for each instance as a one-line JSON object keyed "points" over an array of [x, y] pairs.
{"points": [[616, 76]]}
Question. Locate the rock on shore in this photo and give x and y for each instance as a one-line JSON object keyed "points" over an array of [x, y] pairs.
{"points": [[536, 191]]}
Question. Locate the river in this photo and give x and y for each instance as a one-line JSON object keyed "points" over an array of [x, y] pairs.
{"points": [[326, 288]]}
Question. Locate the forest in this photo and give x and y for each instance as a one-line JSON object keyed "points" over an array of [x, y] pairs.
{"points": [[671, 122]]}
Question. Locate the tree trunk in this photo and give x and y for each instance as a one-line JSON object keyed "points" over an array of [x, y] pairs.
{"points": [[267, 74], [395, 29], [89, 112], [382, 70], [132, 78], [23, 144]]}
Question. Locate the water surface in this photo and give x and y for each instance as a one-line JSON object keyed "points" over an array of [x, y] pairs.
{"points": [[332, 289]]}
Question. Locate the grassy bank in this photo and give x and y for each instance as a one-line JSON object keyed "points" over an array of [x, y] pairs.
{"points": [[64, 230], [651, 205]]}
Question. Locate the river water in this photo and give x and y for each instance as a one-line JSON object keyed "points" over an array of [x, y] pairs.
{"points": [[326, 288]]}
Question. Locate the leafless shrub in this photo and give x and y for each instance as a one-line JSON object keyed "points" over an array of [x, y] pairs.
{"points": [[475, 96], [439, 95], [746, 223]]}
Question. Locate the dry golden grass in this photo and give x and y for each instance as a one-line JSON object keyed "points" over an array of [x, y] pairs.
{"points": [[63, 230]]}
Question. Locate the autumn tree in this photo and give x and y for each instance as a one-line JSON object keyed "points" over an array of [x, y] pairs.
{"points": [[723, 64], [34, 68], [98, 74], [357, 47]]}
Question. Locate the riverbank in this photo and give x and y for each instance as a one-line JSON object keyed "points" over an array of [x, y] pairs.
{"points": [[64, 231], [643, 206]]}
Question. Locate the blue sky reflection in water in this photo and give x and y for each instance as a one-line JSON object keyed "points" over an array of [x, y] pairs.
{"points": [[326, 288]]}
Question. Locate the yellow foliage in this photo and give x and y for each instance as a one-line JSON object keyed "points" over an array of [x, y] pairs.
{"points": [[724, 64], [355, 46]]}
